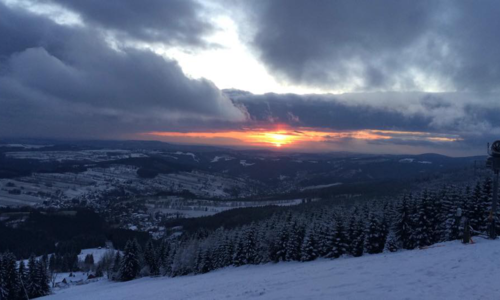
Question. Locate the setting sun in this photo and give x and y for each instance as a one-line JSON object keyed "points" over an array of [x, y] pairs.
{"points": [[278, 139], [297, 138]]}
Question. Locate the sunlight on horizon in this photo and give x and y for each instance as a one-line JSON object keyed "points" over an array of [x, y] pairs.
{"points": [[293, 138]]}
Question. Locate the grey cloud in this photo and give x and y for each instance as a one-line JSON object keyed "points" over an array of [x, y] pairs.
{"points": [[470, 117], [327, 111], [68, 81], [163, 21], [380, 45]]}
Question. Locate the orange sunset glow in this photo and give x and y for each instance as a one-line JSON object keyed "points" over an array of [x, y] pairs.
{"points": [[293, 138]]}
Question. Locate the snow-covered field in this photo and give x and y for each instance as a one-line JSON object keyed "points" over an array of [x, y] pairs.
{"points": [[445, 271]]}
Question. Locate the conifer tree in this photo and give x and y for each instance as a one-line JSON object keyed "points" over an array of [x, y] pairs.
{"points": [[43, 277], [423, 230], [340, 241], [117, 262], [163, 256], [294, 243], [151, 259], [10, 282], [392, 244], [374, 237], [309, 249], [239, 253], [403, 225], [485, 204], [3, 290], [357, 238], [130, 263], [22, 274]]}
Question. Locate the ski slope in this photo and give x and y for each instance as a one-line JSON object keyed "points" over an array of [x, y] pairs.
{"points": [[445, 271]]}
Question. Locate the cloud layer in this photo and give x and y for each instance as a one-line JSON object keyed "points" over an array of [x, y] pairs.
{"points": [[68, 81], [407, 67], [385, 45]]}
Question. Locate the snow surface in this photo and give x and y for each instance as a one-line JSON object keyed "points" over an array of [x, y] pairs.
{"points": [[188, 154], [97, 253], [244, 163], [406, 160], [322, 186], [444, 271], [224, 157]]}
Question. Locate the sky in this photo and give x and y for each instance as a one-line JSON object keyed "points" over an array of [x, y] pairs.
{"points": [[383, 76]]}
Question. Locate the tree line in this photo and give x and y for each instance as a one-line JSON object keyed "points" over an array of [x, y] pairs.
{"points": [[413, 221], [328, 231]]}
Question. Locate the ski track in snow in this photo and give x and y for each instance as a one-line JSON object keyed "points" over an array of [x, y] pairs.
{"points": [[445, 271]]}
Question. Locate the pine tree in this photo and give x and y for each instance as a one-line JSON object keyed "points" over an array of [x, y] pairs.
{"points": [[340, 241], [246, 250], [309, 249], [43, 277], [357, 238], [117, 262], [130, 263], [151, 259], [22, 275], [89, 262], [485, 204], [392, 244], [10, 282], [33, 283], [163, 257], [3, 289], [277, 250], [374, 237], [53, 263], [294, 243], [423, 230], [239, 253], [403, 225]]}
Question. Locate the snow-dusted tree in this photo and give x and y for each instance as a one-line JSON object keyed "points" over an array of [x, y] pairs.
{"points": [[403, 225], [43, 276], [130, 263], [294, 243], [33, 286], [22, 275], [117, 263], [37, 279], [340, 243], [151, 259], [375, 241], [88, 262], [10, 280], [3, 290], [392, 244], [485, 204], [163, 257], [357, 237], [277, 248], [309, 249], [423, 230]]}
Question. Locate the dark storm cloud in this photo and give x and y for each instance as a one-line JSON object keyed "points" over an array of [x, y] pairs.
{"points": [[159, 21], [327, 112], [58, 80], [380, 45]]}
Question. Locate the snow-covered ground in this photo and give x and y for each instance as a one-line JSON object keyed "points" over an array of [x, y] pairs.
{"points": [[97, 253], [445, 271], [322, 186]]}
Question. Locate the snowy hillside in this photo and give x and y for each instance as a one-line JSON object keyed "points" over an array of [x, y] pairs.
{"points": [[444, 271]]}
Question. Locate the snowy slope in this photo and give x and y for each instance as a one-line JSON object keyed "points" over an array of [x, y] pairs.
{"points": [[446, 271]]}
